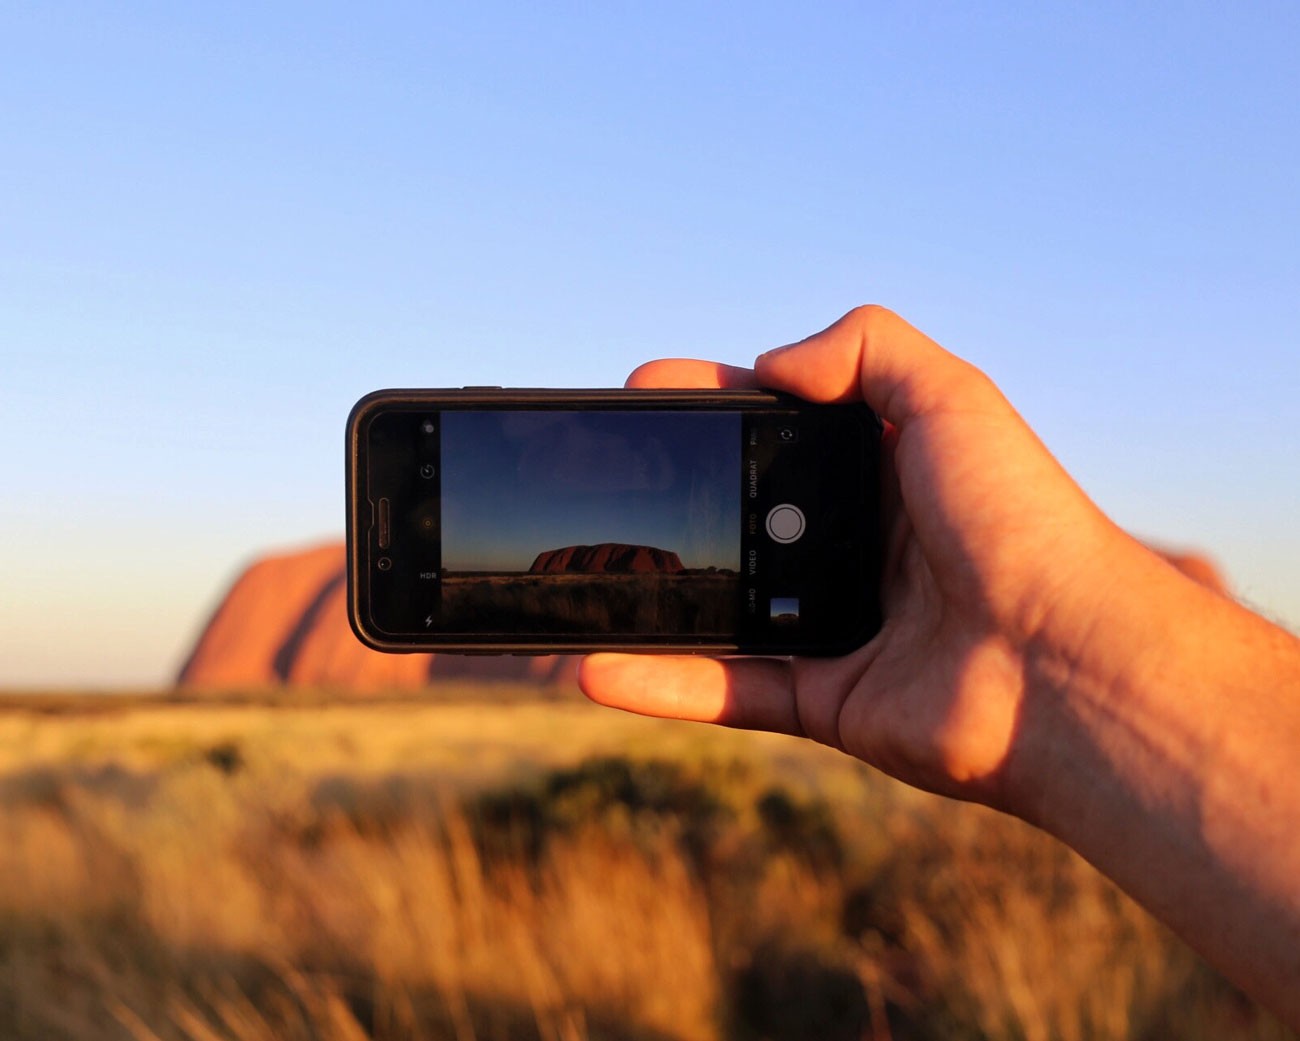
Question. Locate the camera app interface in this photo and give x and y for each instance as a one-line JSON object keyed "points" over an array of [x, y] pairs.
{"points": [[589, 522], [722, 526]]}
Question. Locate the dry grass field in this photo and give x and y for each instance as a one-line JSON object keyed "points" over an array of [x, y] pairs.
{"points": [[497, 866]]}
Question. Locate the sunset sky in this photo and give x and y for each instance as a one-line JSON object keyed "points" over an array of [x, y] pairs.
{"points": [[222, 224], [516, 485]]}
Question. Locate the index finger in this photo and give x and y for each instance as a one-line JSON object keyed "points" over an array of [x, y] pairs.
{"points": [[687, 372]]}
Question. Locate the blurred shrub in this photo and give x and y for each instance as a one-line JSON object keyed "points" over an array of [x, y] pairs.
{"points": [[628, 898]]}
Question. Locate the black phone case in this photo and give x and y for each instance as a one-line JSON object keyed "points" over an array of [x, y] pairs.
{"points": [[507, 398]]}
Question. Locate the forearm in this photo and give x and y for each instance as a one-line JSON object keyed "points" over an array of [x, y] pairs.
{"points": [[1169, 761]]}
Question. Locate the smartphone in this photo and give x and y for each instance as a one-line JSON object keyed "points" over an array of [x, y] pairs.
{"points": [[555, 521]]}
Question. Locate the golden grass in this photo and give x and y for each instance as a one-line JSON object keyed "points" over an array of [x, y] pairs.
{"points": [[337, 871]]}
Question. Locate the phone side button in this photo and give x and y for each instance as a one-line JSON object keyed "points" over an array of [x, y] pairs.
{"points": [[482, 386]]}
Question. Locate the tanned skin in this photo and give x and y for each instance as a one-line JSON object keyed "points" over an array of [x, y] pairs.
{"points": [[1034, 657]]}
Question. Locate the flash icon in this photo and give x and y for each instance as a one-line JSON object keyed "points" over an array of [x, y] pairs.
{"points": [[428, 621]]}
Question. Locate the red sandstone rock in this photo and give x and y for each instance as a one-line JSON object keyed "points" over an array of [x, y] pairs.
{"points": [[284, 622], [1200, 568], [607, 558]]}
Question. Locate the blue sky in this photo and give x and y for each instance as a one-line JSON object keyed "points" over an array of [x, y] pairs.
{"points": [[222, 224]]}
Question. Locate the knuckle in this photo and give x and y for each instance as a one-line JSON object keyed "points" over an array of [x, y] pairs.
{"points": [[871, 318]]}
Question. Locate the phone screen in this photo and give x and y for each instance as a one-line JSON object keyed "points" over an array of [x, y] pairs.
{"points": [[607, 525], [589, 521]]}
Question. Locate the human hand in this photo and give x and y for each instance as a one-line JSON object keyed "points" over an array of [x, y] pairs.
{"points": [[1033, 657], [997, 568]]}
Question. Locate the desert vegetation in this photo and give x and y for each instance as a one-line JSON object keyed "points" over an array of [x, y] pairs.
{"points": [[644, 602], [496, 866]]}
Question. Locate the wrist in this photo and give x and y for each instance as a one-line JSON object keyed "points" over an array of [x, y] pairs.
{"points": [[1099, 677], [1162, 749]]}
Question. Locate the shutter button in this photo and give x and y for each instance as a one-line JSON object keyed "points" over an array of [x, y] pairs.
{"points": [[785, 523]]}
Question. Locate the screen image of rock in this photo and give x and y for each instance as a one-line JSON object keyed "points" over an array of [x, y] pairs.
{"points": [[558, 521]]}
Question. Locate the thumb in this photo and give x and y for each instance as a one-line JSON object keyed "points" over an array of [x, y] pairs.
{"points": [[873, 355]]}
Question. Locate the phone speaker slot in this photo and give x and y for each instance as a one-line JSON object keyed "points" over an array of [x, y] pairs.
{"points": [[385, 524]]}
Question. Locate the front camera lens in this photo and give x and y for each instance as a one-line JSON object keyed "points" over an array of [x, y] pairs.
{"points": [[427, 471], [383, 563], [428, 427]]}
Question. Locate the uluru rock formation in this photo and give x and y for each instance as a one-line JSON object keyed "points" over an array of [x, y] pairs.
{"points": [[607, 558], [284, 622]]}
